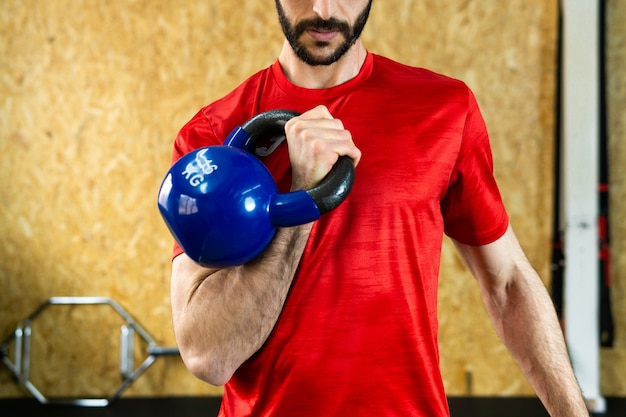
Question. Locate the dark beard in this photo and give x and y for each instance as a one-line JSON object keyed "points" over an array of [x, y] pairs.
{"points": [[350, 34]]}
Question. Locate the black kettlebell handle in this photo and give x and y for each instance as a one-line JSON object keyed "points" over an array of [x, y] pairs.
{"points": [[334, 187]]}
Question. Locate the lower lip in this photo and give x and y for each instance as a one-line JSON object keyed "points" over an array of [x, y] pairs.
{"points": [[322, 36]]}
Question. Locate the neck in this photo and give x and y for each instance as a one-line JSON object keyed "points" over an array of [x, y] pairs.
{"points": [[322, 76]]}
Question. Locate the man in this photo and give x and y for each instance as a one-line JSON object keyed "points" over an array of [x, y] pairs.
{"points": [[339, 317]]}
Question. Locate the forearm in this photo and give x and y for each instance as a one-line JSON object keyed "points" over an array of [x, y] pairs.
{"points": [[525, 319], [221, 317]]}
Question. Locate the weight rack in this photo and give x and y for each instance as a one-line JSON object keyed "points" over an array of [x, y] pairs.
{"points": [[22, 336]]}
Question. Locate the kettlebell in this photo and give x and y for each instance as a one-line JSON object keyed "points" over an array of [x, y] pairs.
{"points": [[221, 203]]}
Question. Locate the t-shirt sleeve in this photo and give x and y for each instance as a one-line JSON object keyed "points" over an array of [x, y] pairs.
{"points": [[196, 133], [472, 208]]}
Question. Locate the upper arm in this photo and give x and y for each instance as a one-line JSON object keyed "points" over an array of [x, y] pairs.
{"points": [[186, 277], [494, 265], [510, 287]]}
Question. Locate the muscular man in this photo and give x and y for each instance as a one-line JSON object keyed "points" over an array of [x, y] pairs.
{"points": [[339, 317]]}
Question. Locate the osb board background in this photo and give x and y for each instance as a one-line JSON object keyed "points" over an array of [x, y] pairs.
{"points": [[92, 94], [613, 361]]}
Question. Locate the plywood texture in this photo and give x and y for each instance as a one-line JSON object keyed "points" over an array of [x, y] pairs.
{"points": [[613, 360], [93, 92]]}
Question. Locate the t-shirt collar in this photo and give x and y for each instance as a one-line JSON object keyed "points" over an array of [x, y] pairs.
{"points": [[341, 89]]}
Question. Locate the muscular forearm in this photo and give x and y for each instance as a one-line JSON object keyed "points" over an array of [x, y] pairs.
{"points": [[525, 320], [221, 317]]}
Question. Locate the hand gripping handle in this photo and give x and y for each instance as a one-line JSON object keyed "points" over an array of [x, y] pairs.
{"points": [[335, 186]]}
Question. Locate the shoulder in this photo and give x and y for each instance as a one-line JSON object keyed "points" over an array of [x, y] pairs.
{"points": [[213, 122], [418, 85], [397, 72], [218, 118], [420, 89], [239, 104]]}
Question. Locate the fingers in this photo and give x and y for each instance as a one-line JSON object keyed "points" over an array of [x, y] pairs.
{"points": [[316, 140]]}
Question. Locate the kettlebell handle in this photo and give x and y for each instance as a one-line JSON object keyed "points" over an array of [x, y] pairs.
{"points": [[334, 187]]}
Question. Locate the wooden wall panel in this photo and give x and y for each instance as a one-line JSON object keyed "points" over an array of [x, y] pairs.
{"points": [[93, 92], [613, 360]]}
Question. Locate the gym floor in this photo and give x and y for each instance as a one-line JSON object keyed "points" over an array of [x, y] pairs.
{"points": [[208, 407]]}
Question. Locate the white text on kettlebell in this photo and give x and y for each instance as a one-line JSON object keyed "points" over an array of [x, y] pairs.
{"points": [[196, 170]]}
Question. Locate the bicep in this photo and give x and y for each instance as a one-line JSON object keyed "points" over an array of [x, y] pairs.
{"points": [[186, 277]]}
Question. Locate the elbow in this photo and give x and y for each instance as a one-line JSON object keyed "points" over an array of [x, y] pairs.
{"points": [[207, 367]]}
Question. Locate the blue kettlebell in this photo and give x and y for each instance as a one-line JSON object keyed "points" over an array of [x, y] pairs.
{"points": [[221, 203]]}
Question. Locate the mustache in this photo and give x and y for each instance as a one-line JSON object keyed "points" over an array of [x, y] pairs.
{"points": [[320, 24]]}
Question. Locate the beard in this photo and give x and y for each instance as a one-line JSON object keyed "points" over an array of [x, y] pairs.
{"points": [[349, 32]]}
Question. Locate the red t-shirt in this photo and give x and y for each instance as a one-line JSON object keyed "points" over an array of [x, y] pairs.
{"points": [[358, 333]]}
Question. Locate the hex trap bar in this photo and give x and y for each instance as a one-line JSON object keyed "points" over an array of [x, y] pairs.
{"points": [[20, 365]]}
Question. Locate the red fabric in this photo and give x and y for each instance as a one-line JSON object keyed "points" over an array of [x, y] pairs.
{"points": [[358, 333]]}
